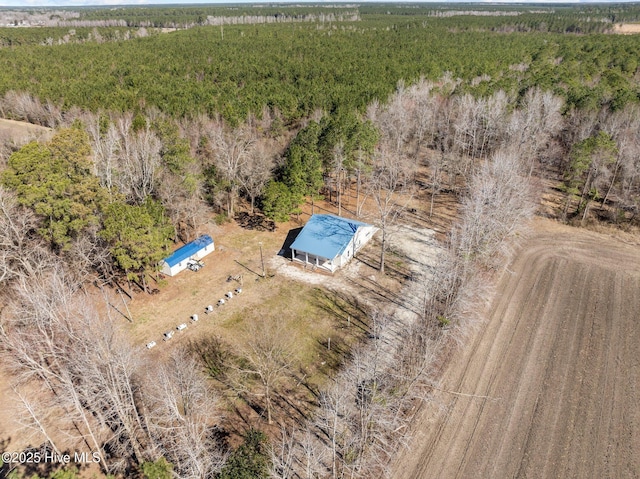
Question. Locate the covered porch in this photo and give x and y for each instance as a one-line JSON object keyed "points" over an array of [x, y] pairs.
{"points": [[314, 261]]}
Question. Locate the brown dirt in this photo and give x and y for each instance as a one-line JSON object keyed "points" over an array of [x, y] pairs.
{"points": [[548, 387], [237, 254], [9, 425], [20, 131], [626, 28]]}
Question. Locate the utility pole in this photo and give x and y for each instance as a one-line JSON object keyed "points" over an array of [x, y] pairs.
{"points": [[262, 259]]}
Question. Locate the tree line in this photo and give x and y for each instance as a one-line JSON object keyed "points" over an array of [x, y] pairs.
{"points": [[48, 36], [238, 70]]}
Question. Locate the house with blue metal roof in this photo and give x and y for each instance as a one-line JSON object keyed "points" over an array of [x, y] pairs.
{"points": [[329, 242], [194, 251]]}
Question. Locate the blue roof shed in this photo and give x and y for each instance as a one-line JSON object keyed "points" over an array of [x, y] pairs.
{"points": [[197, 248]]}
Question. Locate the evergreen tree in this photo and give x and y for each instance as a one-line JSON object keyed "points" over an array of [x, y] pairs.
{"points": [[302, 171], [139, 236], [278, 201], [590, 163], [176, 154], [355, 137], [250, 460], [160, 469], [55, 180]]}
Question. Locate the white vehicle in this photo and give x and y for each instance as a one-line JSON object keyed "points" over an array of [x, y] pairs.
{"points": [[195, 265], [168, 335], [238, 290], [181, 327], [194, 317], [229, 295], [150, 345]]}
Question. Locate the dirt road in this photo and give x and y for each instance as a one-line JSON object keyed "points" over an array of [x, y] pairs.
{"points": [[549, 387]]}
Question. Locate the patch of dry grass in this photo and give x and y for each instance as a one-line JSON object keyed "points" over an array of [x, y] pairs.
{"points": [[310, 315]]}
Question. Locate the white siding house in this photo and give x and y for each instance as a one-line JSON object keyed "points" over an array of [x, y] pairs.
{"points": [[329, 242]]}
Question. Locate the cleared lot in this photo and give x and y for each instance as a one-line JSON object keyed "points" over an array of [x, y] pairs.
{"points": [[549, 387]]}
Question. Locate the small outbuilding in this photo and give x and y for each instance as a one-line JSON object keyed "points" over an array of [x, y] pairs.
{"points": [[329, 241], [179, 259]]}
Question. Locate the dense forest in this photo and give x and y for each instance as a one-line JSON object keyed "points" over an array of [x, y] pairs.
{"points": [[259, 110], [236, 70]]}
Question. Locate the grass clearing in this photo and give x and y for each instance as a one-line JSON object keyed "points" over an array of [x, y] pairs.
{"points": [[310, 316]]}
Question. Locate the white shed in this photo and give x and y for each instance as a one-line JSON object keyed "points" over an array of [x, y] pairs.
{"points": [[195, 250]]}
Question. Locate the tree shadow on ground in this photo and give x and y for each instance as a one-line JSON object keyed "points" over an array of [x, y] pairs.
{"points": [[395, 265], [290, 406], [346, 308]]}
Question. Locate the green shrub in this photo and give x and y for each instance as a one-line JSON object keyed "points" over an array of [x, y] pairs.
{"points": [[250, 460], [160, 469]]}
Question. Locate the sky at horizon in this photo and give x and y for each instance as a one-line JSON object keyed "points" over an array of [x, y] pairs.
{"points": [[98, 3]]}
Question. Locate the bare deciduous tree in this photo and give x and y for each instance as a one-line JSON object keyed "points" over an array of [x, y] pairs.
{"points": [[389, 184], [24, 106], [139, 160], [37, 335], [394, 121], [331, 421], [38, 415], [479, 127], [232, 148], [182, 416], [268, 354], [106, 147], [21, 252], [255, 172], [424, 112], [54, 341], [184, 202], [500, 199], [83, 370], [282, 453], [535, 124]]}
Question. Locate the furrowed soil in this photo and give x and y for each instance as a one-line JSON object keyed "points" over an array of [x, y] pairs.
{"points": [[549, 386]]}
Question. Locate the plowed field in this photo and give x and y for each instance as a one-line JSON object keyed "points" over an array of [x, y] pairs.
{"points": [[549, 387]]}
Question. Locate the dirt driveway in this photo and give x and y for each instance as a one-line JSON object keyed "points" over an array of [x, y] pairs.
{"points": [[550, 386]]}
